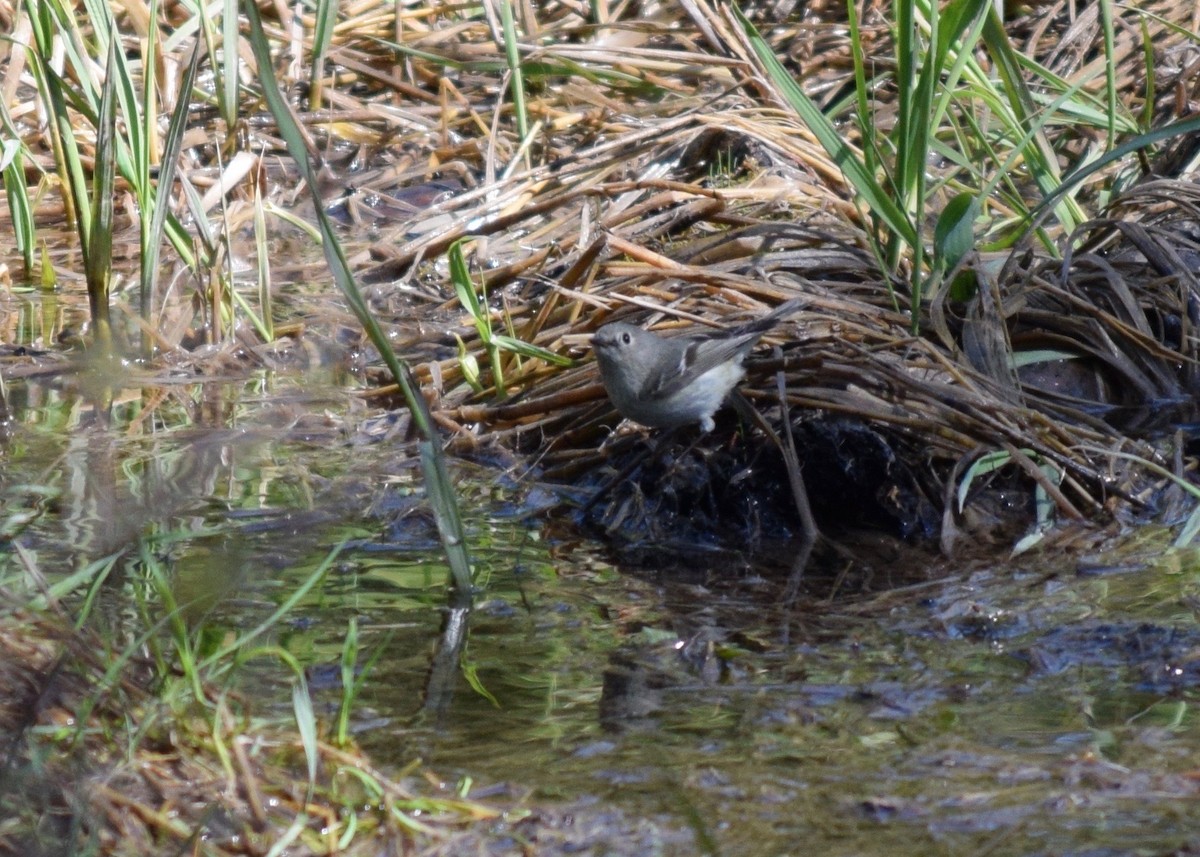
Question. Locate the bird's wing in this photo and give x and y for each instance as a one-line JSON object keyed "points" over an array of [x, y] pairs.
{"points": [[697, 354]]}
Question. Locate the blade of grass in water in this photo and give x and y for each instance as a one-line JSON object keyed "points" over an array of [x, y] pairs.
{"points": [[59, 128], [263, 253], [438, 485], [168, 164], [351, 682], [294, 597], [12, 163], [77, 86], [97, 252]]}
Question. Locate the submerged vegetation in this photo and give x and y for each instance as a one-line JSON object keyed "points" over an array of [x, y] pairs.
{"points": [[992, 220]]}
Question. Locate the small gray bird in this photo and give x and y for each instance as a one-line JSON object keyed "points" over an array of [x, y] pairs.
{"points": [[666, 382]]}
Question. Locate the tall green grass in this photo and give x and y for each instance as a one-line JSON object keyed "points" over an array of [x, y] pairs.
{"points": [[987, 128], [121, 117], [99, 90], [96, 64]]}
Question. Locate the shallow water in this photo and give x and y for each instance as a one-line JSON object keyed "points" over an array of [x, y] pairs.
{"points": [[1031, 707]]}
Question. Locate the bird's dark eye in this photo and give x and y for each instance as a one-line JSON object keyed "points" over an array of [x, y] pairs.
{"points": [[626, 339]]}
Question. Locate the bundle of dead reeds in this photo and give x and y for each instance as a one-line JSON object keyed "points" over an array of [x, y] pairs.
{"points": [[902, 166]]}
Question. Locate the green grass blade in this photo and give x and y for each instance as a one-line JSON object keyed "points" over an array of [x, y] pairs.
{"points": [[528, 349], [295, 597], [322, 37], [59, 127], [132, 118], [1190, 530], [1039, 156], [262, 251], [1082, 172], [12, 165], [836, 146], [168, 166], [962, 27], [908, 94], [464, 288], [512, 55], [350, 683], [989, 462], [446, 513], [99, 14], [230, 66], [1110, 69], [1151, 94], [914, 82], [862, 105], [148, 206], [306, 725], [98, 254], [437, 481]]}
